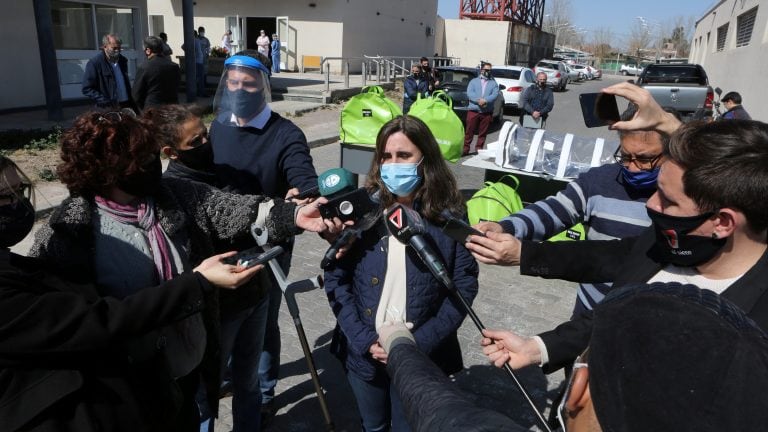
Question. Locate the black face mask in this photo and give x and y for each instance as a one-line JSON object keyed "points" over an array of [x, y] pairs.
{"points": [[199, 158], [16, 220], [145, 181], [245, 104], [675, 246]]}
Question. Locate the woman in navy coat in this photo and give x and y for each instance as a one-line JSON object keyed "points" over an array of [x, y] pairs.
{"points": [[381, 280]]}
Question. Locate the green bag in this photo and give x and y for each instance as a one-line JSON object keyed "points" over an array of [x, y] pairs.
{"points": [[437, 112], [365, 114], [495, 201]]}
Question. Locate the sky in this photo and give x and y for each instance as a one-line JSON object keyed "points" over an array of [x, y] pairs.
{"points": [[617, 15]]}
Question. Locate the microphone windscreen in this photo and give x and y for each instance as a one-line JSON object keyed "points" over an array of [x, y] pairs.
{"points": [[336, 180]]}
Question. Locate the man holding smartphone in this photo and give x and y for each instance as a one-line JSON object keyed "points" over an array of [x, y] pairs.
{"points": [[609, 200], [538, 101]]}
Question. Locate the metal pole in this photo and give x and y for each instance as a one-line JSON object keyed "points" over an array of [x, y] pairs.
{"points": [[44, 24], [364, 73], [327, 76], [386, 71], [190, 71], [346, 74]]}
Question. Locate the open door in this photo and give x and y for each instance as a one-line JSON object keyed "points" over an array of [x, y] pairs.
{"points": [[235, 23], [285, 39]]}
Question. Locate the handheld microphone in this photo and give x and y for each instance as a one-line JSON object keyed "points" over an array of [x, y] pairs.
{"points": [[335, 182], [363, 224], [407, 227], [345, 200]]}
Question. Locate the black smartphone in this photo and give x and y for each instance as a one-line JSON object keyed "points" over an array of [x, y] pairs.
{"points": [[252, 257], [599, 109], [459, 230]]}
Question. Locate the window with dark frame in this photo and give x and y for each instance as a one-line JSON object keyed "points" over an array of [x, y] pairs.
{"points": [[744, 24], [722, 33]]}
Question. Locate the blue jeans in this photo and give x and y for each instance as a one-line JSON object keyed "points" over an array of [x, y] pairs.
{"points": [[378, 403], [269, 363], [275, 63], [242, 338]]}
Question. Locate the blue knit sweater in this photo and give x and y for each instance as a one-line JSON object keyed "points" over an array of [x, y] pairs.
{"points": [[598, 198], [266, 161]]}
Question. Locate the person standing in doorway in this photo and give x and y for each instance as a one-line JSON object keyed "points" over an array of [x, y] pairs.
{"points": [[482, 93], [226, 41], [275, 53], [262, 43]]}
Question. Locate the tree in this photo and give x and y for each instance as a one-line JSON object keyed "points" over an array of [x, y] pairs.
{"points": [[639, 38], [601, 43]]}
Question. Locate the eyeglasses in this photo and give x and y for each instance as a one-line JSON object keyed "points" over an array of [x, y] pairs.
{"points": [[645, 163], [562, 410], [116, 116]]}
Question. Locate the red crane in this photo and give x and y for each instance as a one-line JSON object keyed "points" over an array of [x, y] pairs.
{"points": [[530, 12]]}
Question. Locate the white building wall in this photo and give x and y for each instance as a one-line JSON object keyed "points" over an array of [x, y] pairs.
{"points": [[334, 28], [475, 40], [735, 69]]}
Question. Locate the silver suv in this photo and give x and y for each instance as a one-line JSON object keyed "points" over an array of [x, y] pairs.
{"points": [[557, 73]]}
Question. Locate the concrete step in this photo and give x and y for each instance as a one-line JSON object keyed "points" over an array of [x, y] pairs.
{"points": [[303, 97]]}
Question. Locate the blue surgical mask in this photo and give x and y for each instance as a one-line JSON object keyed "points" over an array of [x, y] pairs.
{"points": [[401, 178], [640, 180]]}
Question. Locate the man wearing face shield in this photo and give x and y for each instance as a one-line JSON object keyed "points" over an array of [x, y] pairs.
{"points": [[105, 80], [258, 151], [66, 361]]}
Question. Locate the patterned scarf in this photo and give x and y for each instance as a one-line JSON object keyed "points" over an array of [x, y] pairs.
{"points": [[143, 216]]}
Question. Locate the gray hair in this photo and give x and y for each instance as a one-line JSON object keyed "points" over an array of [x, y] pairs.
{"points": [[105, 39]]}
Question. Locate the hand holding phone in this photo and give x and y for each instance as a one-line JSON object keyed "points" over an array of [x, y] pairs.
{"points": [[252, 257], [599, 109], [459, 230]]}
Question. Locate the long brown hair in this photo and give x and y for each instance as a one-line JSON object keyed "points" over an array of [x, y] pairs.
{"points": [[439, 190]]}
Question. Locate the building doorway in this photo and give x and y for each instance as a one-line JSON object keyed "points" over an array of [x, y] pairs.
{"points": [[253, 25]]}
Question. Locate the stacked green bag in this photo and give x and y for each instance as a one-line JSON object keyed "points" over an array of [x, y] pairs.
{"points": [[437, 112], [365, 114]]}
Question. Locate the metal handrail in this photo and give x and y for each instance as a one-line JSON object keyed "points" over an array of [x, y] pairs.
{"points": [[387, 67]]}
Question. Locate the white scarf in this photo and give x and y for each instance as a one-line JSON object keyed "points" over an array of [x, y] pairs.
{"points": [[393, 294]]}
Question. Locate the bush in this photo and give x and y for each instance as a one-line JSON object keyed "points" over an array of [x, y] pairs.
{"points": [[33, 139]]}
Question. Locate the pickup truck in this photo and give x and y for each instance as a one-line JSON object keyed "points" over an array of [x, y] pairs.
{"points": [[684, 87]]}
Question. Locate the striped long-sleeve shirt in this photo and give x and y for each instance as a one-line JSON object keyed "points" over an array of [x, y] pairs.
{"points": [[598, 198]]}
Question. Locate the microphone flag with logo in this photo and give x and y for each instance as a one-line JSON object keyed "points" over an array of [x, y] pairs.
{"points": [[407, 226]]}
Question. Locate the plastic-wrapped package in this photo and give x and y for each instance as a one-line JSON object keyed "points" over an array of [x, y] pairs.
{"points": [[552, 154]]}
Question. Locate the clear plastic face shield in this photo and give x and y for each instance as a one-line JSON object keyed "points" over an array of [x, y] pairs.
{"points": [[244, 89]]}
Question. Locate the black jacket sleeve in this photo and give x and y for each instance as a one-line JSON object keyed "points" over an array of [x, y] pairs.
{"points": [[432, 402], [47, 320], [588, 261]]}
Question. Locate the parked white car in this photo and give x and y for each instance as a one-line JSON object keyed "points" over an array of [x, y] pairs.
{"points": [[584, 70], [516, 79], [557, 75], [573, 74]]}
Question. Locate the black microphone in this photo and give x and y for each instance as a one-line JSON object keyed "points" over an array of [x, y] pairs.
{"points": [[407, 227], [364, 223]]}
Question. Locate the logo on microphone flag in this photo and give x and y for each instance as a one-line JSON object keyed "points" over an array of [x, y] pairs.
{"points": [[396, 218]]}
